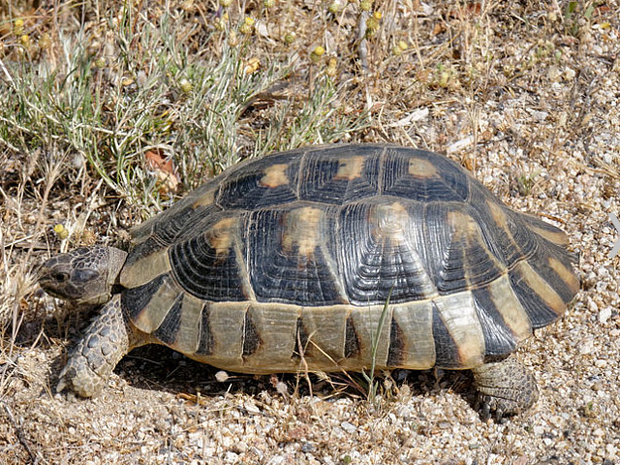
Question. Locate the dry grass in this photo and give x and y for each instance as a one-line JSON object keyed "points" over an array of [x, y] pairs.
{"points": [[94, 98]]}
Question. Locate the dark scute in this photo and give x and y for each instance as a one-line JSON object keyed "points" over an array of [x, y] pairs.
{"points": [[176, 224], [469, 260], [205, 347], [178, 213], [143, 250], [397, 345], [168, 329], [243, 188], [319, 178], [351, 340], [539, 313], [451, 276], [199, 270], [446, 350], [498, 338], [451, 183], [540, 224], [168, 231], [434, 238], [540, 263], [373, 266], [251, 338], [498, 240], [528, 243], [133, 301], [301, 339], [284, 276], [462, 261]]}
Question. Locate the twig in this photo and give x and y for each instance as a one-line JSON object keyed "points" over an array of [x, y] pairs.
{"points": [[20, 434], [363, 43]]}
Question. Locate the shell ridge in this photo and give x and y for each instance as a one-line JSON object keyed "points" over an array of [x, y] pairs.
{"points": [[380, 174], [300, 170], [242, 258]]}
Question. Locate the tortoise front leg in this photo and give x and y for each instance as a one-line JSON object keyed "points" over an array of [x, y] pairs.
{"points": [[107, 340], [506, 387]]}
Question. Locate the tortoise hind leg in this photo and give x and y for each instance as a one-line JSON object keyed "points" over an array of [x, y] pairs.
{"points": [[506, 387], [107, 340]]}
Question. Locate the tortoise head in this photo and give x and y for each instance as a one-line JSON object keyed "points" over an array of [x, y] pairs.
{"points": [[85, 275]]}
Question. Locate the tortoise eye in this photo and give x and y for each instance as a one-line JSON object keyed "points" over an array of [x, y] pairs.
{"points": [[60, 276]]}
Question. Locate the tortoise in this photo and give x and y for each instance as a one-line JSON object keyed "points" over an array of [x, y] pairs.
{"points": [[319, 258]]}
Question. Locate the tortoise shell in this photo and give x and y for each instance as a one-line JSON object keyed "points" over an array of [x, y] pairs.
{"points": [[292, 258]]}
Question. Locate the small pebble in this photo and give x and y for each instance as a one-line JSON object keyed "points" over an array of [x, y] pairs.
{"points": [[348, 427]]}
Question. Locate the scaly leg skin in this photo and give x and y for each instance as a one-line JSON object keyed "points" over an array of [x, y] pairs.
{"points": [[108, 339], [505, 387]]}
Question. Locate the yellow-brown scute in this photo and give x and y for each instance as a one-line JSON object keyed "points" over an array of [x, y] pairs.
{"points": [[566, 274], [145, 269], [510, 308], [538, 284], [275, 176], [498, 214], [458, 313], [350, 168], [557, 237], [391, 221], [463, 225], [205, 199], [221, 236], [151, 316], [302, 228], [422, 168], [187, 335]]}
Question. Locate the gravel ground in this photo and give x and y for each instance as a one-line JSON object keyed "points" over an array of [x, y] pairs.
{"points": [[550, 146]]}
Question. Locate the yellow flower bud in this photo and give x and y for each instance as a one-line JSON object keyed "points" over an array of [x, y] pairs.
{"points": [[18, 27], [400, 47], [248, 26], [332, 67], [100, 63], [220, 24], [316, 54], [335, 7], [289, 38], [185, 85], [372, 24], [61, 231], [252, 65], [366, 5]]}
